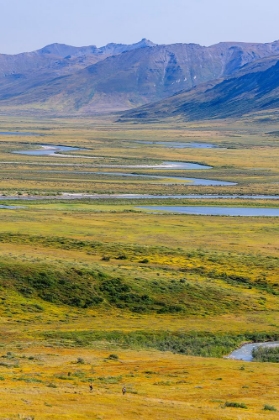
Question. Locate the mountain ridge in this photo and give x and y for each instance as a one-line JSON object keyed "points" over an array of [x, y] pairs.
{"points": [[254, 88], [118, 77]]}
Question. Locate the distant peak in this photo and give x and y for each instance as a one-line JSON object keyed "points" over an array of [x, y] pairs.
{"points": [[146, 42], [63, 50]]}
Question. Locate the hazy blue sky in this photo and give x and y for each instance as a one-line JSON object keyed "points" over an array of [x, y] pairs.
{"points": [[27, 25]]}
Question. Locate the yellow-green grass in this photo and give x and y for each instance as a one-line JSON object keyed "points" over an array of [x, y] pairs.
{"points": [[237, 255], [222, 271], [128, 225], [249, 158]]}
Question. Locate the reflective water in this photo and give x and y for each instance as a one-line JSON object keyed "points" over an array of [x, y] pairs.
{"points": [[187, 197], [10, 207], [245, 352], [172, 179], [46, 150], [50, 150], [233, 196], [69, 196], [178, 196], [18, 133], [164, 165], [177, 145], [217, 211]]}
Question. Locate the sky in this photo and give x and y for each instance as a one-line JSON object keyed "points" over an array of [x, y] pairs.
{"points": [[27, 25]]}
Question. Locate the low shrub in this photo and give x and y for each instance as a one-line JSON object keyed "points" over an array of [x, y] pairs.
{"points": [[235, 404], [269, 408], [266, 354], [113, 357], [203, 344]]}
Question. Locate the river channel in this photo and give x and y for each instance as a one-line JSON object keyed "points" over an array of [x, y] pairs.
{"points": [[50, 150], [80, 196], [178, 145], [10, 207], [216, 210], [18, 133], [245, 352], [47, 150]]}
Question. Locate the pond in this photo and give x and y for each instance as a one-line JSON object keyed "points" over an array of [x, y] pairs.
{"points": [[245, 352], [217, 211]]}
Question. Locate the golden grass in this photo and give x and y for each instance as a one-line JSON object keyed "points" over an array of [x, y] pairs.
{"points": [[49, 383]]}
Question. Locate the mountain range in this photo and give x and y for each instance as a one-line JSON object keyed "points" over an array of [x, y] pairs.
{"points": [[187, 80], [253, 89]]}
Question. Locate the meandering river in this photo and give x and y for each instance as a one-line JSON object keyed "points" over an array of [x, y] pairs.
{"points": [[50, 150], [168, 179]]}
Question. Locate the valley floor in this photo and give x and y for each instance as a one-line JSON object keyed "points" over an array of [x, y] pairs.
{"points": [[101, 292]]}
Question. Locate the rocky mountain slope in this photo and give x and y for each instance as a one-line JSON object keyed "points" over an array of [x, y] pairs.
{"points": [[26, 71], [85, 80], [255, 88]]}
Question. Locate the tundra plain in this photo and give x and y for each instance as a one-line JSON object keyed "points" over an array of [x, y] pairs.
{"points": [[97, 291]]}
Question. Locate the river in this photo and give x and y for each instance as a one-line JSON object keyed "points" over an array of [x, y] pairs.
{"points": [[216, 210], [245, 352]]}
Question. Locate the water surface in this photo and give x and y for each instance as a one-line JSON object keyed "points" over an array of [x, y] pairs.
{"points": [[18, 133], [170, 165], [69, 196], [245, 352], [46, 150], [171, 179], [179, 145], [217, 211], [10, 207], [50, 150]]}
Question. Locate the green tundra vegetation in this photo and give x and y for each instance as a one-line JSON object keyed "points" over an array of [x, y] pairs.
{"points": [[98, 291]]}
